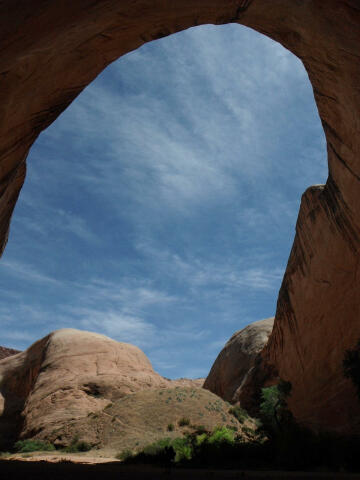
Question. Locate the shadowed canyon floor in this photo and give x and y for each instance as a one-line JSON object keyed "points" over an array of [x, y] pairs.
{"points": [[34, 470]]}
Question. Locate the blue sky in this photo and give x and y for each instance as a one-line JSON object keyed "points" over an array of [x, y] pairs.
{"points": [[160, 208]]}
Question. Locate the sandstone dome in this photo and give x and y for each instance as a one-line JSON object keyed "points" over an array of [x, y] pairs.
{"points": [[236, 360], [67, 375]]}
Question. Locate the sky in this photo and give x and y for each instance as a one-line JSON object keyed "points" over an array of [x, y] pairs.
{"points": [[160, 208]]}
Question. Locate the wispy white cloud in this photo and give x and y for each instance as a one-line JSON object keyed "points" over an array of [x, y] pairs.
{"points": [[27, 272], [24, 322], [18, 337], [124, 328], [168, 171], [130, 293], [75, 225], [45, 219], [201, 274], [179, 149], [231, 272]]}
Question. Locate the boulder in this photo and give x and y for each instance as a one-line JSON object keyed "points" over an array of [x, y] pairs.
{"points": [[236, 360]]}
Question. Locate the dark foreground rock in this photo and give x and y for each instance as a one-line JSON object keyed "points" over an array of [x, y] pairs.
{"points": [[13, 470]]}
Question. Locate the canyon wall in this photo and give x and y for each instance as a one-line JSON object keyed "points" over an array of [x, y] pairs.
{"points": [[52, 50], [317, 312]]}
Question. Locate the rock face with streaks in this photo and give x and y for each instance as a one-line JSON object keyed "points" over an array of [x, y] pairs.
{"points": [[52, 50], [315, 319], [67, 375], [236, 360]]}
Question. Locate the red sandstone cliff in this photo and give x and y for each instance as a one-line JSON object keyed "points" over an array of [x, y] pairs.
{"points": [[316, 313]]}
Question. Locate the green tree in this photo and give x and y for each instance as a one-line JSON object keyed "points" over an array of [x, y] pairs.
{"points": [[273, 408]]}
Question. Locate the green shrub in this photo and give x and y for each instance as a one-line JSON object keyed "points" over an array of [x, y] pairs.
{"points": [[200, 439], [293, 449], [83, 446], [160, 452], [199, 429], [182, 448], [157, 447], [234, 428], [29, 445], [77, 446], [124, 455], [170, 427], [183, 422], [221, 435], [239, 413]]}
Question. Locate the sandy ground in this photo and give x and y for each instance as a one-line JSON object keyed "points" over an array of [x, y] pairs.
{"points": [[82, 458]]}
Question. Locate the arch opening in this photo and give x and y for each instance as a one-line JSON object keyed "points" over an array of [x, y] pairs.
{"points": [[162, 203]]}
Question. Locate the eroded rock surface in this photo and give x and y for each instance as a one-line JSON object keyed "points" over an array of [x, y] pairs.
{"points": [[52, 50], [7, 352], [236, 360], [67, 375]]}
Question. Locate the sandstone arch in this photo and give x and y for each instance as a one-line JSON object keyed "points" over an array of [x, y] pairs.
{"points": [[52, 50]]}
